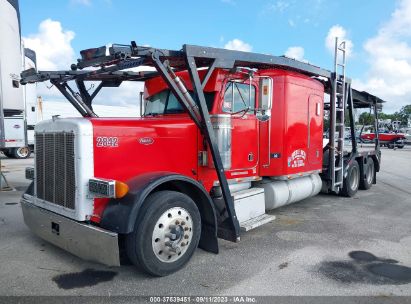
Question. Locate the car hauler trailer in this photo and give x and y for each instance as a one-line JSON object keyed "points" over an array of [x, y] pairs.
{"points": [[18, 104], [225, 136]]}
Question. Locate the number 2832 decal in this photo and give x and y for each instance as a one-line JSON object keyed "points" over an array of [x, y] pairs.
{"points": [[104, 141]]}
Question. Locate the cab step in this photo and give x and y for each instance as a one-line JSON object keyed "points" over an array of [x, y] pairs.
{"points": [[256, 222], [249, 205]]}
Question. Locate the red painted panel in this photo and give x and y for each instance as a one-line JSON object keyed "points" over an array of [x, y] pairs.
{"points": [[244, 142], [295, 132], [215, 82], [144, 145], [316, 129]]}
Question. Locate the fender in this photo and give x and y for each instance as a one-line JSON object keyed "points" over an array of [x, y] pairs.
{"points": [[120, 214]]}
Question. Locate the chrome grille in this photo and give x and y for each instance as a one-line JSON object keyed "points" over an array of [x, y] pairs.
{"points": [[55, 176]]}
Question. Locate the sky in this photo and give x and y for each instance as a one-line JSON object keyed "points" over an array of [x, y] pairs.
{"points": [[377, 35]]}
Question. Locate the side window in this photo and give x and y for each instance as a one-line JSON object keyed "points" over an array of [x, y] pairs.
{"points": [[156, 103], [163, 103], [237, 97], [173, 106]]}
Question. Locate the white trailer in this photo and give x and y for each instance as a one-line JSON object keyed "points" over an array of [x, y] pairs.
{"points": [[18, 104]]}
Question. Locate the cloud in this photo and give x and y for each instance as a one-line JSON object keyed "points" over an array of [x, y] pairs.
{"points": [[238, 45], [295, 12], [280, 6], [295, 52], [52, 44], [81, 2], [389, 55], [341, 33]]}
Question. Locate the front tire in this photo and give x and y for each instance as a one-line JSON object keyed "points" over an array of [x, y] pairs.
{"points": [[166, 233], [352, 180]]}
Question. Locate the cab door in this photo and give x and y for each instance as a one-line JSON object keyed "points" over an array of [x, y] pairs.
{"points": [[240, 102], [315, 129]]}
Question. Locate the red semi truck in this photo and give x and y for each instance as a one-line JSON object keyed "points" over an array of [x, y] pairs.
{"points": [[225, 136]]}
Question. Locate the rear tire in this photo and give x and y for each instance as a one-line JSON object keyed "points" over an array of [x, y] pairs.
{"points": [[352, 180], [390, 145], [166, 233], [368, 176], [7, 153], [21, 153]]}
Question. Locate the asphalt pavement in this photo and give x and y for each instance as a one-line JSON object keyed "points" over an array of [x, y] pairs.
{"points": [[325, 245]]}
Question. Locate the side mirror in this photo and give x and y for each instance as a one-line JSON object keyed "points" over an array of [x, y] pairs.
{"points": [[142, 104], [265, 101]]}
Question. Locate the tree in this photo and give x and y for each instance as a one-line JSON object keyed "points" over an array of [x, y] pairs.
{"points": [[403, 114], [366, 118]]}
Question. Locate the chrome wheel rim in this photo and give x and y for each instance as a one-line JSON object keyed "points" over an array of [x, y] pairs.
{"points": [[172, 234], [354, 178], [23, 152]]}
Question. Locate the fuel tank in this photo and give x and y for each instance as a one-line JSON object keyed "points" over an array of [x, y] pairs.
{"points": [[279, 193]]}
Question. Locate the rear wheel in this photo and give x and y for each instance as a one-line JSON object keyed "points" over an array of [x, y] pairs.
{"points": [[21, 153], [352, 180], [368, 176], [390, 145], [166, 233]]}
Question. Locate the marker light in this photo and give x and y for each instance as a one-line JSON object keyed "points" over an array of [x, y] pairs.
{"points": [[107, 188], [121, 189]]}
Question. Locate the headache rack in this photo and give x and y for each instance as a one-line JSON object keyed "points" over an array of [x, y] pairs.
{"points": [[111, 67]]}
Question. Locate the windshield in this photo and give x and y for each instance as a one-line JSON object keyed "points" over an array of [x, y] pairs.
{"points": [[165, 102]]}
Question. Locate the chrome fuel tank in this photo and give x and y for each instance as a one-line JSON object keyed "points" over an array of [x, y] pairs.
{"points": [[284, 192]]}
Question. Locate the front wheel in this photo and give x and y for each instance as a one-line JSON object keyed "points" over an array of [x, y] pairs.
{"points": [[165, 234], [352, 180]]}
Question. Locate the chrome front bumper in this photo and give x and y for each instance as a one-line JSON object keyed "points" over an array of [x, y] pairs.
{"points": [[85, 241]]}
